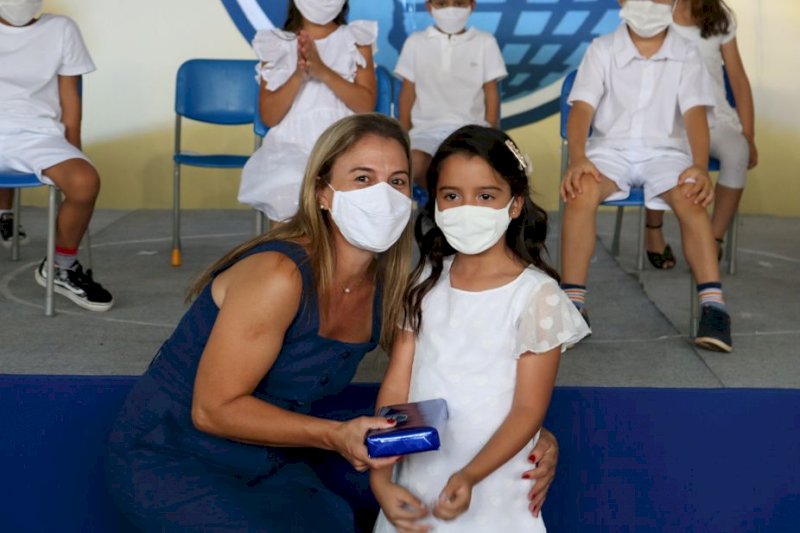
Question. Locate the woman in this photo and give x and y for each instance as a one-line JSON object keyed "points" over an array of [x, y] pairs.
{"points": [[216, 434]]}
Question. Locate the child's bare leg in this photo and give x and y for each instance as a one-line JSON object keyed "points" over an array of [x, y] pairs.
{"points": [[80, 183], [726, 202], [6, 197], [654, 238], [419, 167], [698, 242], [579, 228]]}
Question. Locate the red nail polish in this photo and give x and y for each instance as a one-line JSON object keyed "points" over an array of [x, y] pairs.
{"points": [[525, 476], [391, 420], [532, 458]]}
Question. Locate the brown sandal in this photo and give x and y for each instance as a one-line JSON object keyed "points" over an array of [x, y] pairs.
{"points": [[664, 260]]}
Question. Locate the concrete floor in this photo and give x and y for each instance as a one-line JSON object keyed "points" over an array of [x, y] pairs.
{"points": [[640, 319]]}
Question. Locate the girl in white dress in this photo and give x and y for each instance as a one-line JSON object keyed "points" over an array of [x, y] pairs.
{"points": [[485, 324], [315, 71]]}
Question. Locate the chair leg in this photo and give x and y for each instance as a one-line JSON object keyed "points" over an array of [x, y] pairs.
{"points": [[15, 227], [49, 304], [176, 216], [564, 162], [87, 245], [617, 232], [259, 223], [731, 244], [694, 307], [640, 245]]}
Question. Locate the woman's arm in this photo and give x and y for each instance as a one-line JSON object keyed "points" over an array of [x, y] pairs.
{"points": [[69, 95], [742, 93], [359, 95], [408, 95], [258, 299], [491, 97], [536, 376]]}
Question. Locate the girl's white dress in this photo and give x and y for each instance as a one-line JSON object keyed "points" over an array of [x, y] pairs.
{"points": [[272, 177], [466, 353]]}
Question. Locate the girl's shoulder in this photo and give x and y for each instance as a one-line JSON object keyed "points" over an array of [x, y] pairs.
{"points": [[361, 32], [274, 46]]}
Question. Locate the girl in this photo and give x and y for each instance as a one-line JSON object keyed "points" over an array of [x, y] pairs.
{"points": [[711, 26], [314, 72], [484, 326]]}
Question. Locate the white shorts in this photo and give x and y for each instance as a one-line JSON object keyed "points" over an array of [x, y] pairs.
{"points": [[428, 138], [655, 169], [272, 179], [24, 151]]}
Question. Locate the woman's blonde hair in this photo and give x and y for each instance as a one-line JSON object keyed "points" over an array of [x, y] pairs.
{"points": [[311, 226]]}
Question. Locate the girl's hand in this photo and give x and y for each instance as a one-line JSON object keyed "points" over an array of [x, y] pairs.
{"points": [[314, 66], [455, 497], [401, 508], [545, 458], [751, 143], [696, 184], [571, 184], [301, 69], [348, 441]]}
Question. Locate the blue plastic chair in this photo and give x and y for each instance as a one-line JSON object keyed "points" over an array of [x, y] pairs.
{"points": [[214, 91]]}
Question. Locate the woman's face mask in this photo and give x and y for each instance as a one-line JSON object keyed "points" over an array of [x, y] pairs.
{"points": [[319, 11], [646, 18], [19, 12]]}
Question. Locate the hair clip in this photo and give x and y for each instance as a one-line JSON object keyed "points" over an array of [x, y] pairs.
{"points": [[525, 164]]}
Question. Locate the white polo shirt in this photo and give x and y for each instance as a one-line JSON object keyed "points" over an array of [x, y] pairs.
{"points": [[32, 58], [448, 72], [640, 102]]}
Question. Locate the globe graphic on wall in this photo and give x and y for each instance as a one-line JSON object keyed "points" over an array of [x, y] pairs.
{"points": [[541, 40]]}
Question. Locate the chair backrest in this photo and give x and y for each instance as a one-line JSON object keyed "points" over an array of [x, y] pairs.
{"points": [[219, 91], [564, 107], [384, 97]]}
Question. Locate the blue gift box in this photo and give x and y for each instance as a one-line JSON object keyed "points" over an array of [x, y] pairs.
{"points": [[417, 429]]}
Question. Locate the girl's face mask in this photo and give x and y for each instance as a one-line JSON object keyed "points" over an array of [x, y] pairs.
{"points": [[19, 12], [472, 229], [646, 18], [319, 11]]}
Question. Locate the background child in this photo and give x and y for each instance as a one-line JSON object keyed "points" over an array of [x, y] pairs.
{"points": [[317, 70], [40, 132], [450, 77], [486, 325], [710, 24], [644, 90]]}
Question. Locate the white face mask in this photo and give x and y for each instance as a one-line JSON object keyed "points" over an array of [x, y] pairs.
{"points": [[319, 11], [19, 12], [372, 218], [451, 19], [472, 229], [646, 18]]}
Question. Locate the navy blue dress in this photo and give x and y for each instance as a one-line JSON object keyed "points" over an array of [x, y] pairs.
{"points": [[165, 475]]}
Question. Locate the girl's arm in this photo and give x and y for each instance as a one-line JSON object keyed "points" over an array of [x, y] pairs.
{"points": [[71, 108], [536, 377], [359, 95], [408, 95], [491, 97], [742, 93], [273, 105], [696, 121], [400, 506], [258, 298]]}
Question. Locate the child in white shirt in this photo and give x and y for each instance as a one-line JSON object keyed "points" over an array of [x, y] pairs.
{"points": [[450, 77], [40, 132], [645, 93]]}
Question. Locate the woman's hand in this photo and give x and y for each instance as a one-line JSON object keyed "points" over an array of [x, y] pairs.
{"points": [[545, 458], [348, 441], [455, 497], [401, 508], [312, 62], [571, 183]]}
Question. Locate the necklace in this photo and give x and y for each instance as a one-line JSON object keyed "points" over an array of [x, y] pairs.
{"points": [[347, 289]]}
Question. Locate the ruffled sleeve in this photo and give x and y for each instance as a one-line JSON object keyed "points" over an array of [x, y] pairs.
{"points": [[363, 33], [274, 49], [548, 320]]}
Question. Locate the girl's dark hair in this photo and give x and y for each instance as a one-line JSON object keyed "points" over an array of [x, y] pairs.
{"points": [[525, 236], [711, 16], [294, 19]]}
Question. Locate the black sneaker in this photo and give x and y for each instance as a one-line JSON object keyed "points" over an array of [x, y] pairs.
{"points": [[7, 230], [78, 286], [714, 331]]}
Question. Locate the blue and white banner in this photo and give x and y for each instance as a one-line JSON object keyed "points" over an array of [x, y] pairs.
{"points": [[541, 40]]}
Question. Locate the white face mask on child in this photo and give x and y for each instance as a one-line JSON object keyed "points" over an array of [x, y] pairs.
{"points": [[319, 11], [472, 229], [19, 12], [451, 19], [646, 18], [372, 218]]}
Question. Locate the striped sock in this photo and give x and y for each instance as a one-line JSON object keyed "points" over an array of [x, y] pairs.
{"points": [[711, 294], [65, 257], [576, 294]]}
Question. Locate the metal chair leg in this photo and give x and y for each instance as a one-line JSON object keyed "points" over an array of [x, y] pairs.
{"points": [[15, 228], [87, 245], [732, 244], [176, 216], [694, 307], [564, 162], [260, 223], [49, 305], [640, 245], [617, 232]]}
